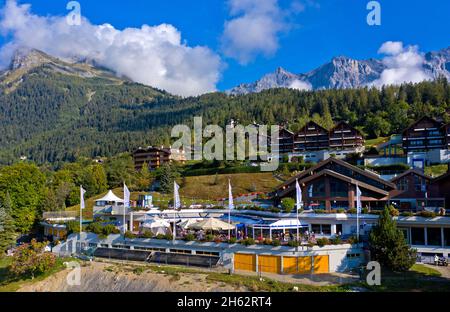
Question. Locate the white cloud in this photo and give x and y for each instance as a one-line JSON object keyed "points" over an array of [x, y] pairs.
{"points": [[152, 55], [253, 29], [403, 65], [391, 47], [300, 85]]}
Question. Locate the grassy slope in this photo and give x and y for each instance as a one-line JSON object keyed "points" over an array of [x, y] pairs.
{"points": [[200, 190], [436, 170], [376, 142], [242, 183]]}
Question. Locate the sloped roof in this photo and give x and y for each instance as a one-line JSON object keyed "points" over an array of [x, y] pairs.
{"points": [[342, 163], [415, 171]]}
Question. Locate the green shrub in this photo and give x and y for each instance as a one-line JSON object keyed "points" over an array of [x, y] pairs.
{"points": [[209, 237], [276, 242], [248, 241], [189, 237], [275, 210], [288, 204], [427, 214], [147, 234], [393, 212], [336, 240], [160, 236], [232, 240], [407, 214], [320, 211], [129, 235], [352, 211], [322, 241], [293, 243]]}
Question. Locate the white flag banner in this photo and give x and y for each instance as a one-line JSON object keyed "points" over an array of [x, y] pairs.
{"points": [[82, 192], [298, 192], [126, 196], [230, 197], [358, 200], [311, 191], [176, 196]]}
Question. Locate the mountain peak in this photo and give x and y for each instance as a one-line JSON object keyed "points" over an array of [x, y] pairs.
{"points": [[27, 58]]}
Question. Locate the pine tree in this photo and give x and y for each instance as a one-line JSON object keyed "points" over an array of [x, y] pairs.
{"points": [[7, 227], [388, 246]]}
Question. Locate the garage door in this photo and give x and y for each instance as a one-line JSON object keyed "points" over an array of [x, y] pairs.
{"points": [[304, 265], [245, 262], [290, 265], [321, 264], [269, 264]]}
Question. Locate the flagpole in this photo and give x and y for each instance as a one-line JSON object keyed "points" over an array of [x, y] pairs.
{"points": [[81, 209], [229, 207], [174, 230], [358, 208]]}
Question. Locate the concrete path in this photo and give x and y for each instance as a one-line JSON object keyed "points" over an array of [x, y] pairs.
{"points": [[445, 271]]}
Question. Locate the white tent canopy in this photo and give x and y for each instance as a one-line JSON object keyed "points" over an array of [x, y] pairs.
{"points": [[157, 226], [110, 197]]}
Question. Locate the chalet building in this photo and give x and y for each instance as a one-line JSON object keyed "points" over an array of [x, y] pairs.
{"points": [[441, 185], [447, 134], [314, 143], [285, 142], [332, 185], [414, 192], [154, 157], [311, 137], [343, 136], [424, 135]]}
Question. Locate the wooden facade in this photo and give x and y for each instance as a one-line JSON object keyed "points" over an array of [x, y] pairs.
{"points": [[424, 135], [343, 136], [154, 157], [311, 137], [332, 185]]}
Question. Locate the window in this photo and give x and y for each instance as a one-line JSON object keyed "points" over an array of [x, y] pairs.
{"points": [[326, 229], [315, 228], [402, 184], [353, 255], [419, 184], [434, 236], [339, 229], [447, 237], [417, 236]]}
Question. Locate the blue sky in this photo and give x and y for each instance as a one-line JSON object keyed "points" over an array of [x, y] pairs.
{"points": [[310, 36]]}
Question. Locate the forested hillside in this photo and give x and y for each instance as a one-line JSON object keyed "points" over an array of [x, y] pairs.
{"points": [[50, 116]]}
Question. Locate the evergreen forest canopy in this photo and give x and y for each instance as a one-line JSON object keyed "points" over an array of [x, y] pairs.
{"points": [[54, 118]]}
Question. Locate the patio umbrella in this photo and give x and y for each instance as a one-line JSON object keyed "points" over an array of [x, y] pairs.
{"points": [[186, 223], [212, 224]]}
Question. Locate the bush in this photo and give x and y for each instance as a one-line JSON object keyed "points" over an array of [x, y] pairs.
{"points": [[322, 241], [276, 242], [352, 211], [209, 237], [293, 243], [320, 211], [267, 241], [147, 234], [160, 236], [393, 212], [341, 210], [232, 240], [427, 214], [407, 214], [73, 227], [275, 210], [248, 241], [336, 240], [365, 210], [31, 259], [129, 235], [189, 237], [288, 204]]}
